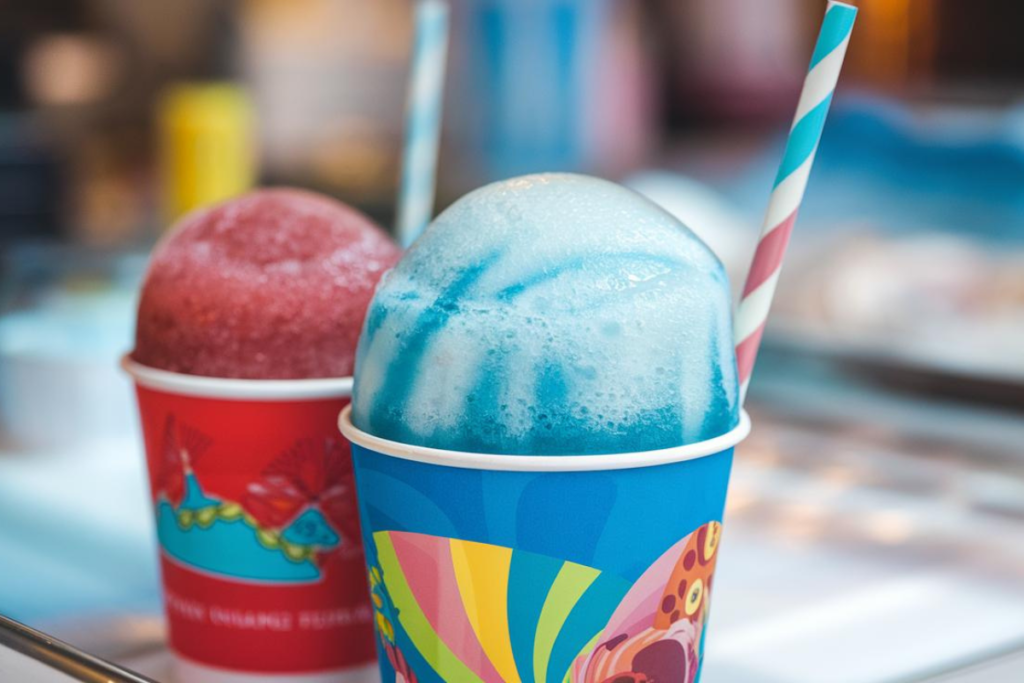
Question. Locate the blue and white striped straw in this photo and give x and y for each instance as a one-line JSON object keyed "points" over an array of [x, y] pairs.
{"points": [[790, 184], [423, 120]]}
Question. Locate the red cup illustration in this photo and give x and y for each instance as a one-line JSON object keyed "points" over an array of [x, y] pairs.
{"points": [[255, 510]]}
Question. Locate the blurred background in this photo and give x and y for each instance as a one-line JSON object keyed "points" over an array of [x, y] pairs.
{"points": [[876, 519]]}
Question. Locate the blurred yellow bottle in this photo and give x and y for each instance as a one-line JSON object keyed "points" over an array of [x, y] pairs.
{"points": [[207, 145]]}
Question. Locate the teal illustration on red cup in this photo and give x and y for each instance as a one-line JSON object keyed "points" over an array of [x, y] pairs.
{"points": [[254, 502], [535, 569]]}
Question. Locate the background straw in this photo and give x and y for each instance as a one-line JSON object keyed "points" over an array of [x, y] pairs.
{"points": [[423, 120], [790, 183]]}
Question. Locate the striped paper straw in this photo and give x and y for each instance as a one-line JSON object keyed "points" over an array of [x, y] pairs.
{"points": [[790, 184], [423, 120]]}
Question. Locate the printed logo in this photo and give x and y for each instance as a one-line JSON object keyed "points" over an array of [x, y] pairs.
{"points": [[292, 521]]}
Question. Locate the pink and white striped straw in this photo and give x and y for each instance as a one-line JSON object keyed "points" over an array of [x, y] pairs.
{"points": [[790, 184]]}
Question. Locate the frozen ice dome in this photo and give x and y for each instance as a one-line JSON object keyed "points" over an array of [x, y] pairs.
{"points": [[273, 284], [550, 314]]}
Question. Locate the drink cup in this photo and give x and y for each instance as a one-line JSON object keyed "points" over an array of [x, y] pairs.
{"points": [[542, 569], [258, 528]]}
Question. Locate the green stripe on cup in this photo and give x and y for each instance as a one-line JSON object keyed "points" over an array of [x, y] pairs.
{"points": [[415, 623], [569, 586]]}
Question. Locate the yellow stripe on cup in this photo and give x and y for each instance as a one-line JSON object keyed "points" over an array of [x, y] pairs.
{"points": [[482, 571], [572, 582], [416, 624]]}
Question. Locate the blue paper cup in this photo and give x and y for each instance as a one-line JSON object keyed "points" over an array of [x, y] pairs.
{"points": [[566, 569]]}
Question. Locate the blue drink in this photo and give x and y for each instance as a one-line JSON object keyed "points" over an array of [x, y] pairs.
{"points": [[550, 315]]}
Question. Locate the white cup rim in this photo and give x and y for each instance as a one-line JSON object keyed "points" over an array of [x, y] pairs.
{"points": [[241, 389], [542, 463]]}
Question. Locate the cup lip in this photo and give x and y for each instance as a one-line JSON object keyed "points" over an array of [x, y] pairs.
{"points": [[543, 463], [242, 389]]}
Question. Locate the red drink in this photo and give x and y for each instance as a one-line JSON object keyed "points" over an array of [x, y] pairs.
{"points": [[246, 338], [272, 285]]}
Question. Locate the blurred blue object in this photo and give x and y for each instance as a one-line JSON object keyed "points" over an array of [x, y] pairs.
{"points": [[547, 85], [59, 378], [76, 536], [904, 169], [75, 521], [69, 317], [528, 61]]}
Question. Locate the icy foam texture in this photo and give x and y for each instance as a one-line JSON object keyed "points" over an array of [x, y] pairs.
{"points": [[271, 285], [550, 314]]}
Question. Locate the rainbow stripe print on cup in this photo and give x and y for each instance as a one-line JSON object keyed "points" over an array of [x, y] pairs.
{"points": [[499, 569]]}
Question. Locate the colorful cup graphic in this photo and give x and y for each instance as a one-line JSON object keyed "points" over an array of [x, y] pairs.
{"points": [[566, 569], [256, 516]]}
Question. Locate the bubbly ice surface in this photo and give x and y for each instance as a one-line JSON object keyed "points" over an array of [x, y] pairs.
{"points": [[273, 284], [550, 314]]}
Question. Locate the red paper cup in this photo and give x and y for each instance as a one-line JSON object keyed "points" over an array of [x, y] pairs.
{"points": [[255, 510]]}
